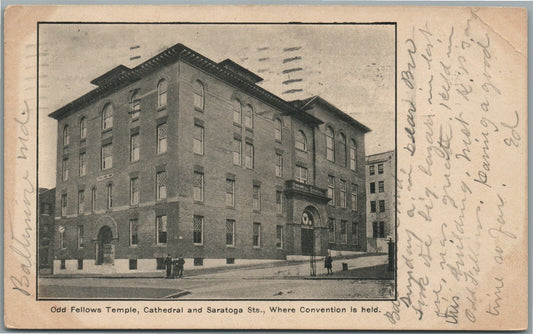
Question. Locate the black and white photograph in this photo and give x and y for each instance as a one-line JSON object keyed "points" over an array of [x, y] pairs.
{"points": [[217, 161]]}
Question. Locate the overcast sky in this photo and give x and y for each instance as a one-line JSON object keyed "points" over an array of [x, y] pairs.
{"points": [[351, 66]]}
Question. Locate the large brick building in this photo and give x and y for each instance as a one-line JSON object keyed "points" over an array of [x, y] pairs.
{"points": [[183, 155], [45, 227]]}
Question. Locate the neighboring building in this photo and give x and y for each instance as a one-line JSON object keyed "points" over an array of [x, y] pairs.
{"points": [[183, 155], [381, 197], [45, 225]]}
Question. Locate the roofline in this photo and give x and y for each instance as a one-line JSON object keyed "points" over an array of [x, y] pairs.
{"points": [[373, 156]]}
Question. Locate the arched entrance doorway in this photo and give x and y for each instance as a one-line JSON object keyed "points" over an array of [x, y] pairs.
{"points": [[308, 233], [105, 249]]}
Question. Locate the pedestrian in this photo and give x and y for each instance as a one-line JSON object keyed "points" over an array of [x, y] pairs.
{"points": [[179, 266], [168, 265], [328, 263]]}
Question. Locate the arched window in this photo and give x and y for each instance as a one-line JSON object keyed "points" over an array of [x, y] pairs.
{"points": [[301, 141], [83, 128], [66, 136], [330, 144], [353, 155], [135, 106], [248, 116], [277, 129], [342, 148], [237, 111], [162, 93], [199, 95], [107, 117]]}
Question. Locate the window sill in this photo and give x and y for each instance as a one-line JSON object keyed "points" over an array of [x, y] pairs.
{"points": [[199, 109], [198, 154], [107, 130], [277, 141], [134, 206], [230, 246], [133, 246], [237, 125], [198, 245], [257, 247], [299, 149], [162, 108], [198, 202], [230, 207]]}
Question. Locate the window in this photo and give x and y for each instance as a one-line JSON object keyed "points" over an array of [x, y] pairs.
{"points": [[107, 117], [372, 170], [134, 147], [107, 156], [237, 111], [63, 263], [162, 93], [331, 230], [230, 192], [380, 168], [198, 261], [62, 238], [279, 165], [279, 236], [372, 187], [80, 264], [330, 144], [342, 193], [355, 233], [354, 197], [331, 189], [237, 152], [381, 186], [135, 105], [230, 260], [66, 136], [257, 198], [161, 138], [279, 202], [161, 228], [199, 95], [353, 155], [134, 234], [83, 128], [257, 235], [382, 206], [109, 196], [342, 148], [198, 139], [277, 129], [133, 264], [93, 199], [80, 236], [301, 174], [198, 186], [249, 156], [64, 168], [134, 191], [344, 232], [81, 201], [230, 232], [83, 164], [161, 179], [382, 229], [63, 205], [372, 206], [300, 141], [248, 116], [375, 232], [198, 228]]}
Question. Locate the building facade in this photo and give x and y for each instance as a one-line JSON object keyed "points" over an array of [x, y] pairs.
{"points": [[381, 197], [183, 155], [45, 227]]}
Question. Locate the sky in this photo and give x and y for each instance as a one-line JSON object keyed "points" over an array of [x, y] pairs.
{"points": [[351, 66]]}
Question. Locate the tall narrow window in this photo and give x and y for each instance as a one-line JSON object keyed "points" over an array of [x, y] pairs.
{"points": [[279, 236], [162, 138], [256, 236], [257, 198], [107, 117], [249, 156], [63, 205], [382, 229], [342, 193], [237, 111], [66, 136], [344, 232], [277, 129], [230, 232], [198, 186], [331, 189], [134, 234], [300, 174], [300, 141], [230, 192], [353, 155], [353, 201], [248, 116], [382, 206], [199, 96], [355, 233], [331, 230], [134, 147], [342, 148], [237, 146], [81, 202], [372, 206], [279, 165], [161, 185], [372, 170], [134, 191], [81, 233], [62, 241], [330, 144], [64, 169], [380, 168], [83, 164], [198, 139], [109, 196], [93, 199], [279, 202], [375, 231], [372, 187], [381, 186], [83, 128], [198, 229], [135, 105], [161, 228], [107, 156], [162, 87]]}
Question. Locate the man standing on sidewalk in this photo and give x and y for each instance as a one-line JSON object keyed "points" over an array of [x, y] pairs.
{"points": [[168, 265], [328, 261], [180, 264]]}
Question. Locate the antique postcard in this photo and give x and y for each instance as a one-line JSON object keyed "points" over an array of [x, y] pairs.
{"points": [[265, 167]]}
